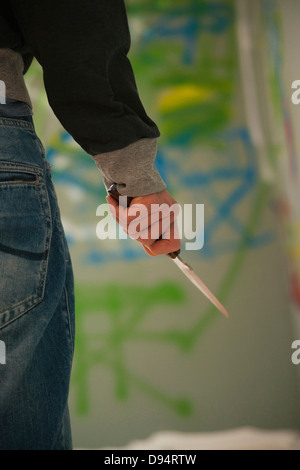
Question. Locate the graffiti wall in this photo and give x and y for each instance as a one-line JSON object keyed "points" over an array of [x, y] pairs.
{"points": [[151, 352]]}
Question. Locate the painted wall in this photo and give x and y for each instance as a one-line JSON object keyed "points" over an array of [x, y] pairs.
{"points": [[290, 73], [151, 352]]}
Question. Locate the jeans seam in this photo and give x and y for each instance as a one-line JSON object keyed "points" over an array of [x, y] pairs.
{"points": [[41, 147], [20, 167], [3, 325], [69, 321], [18, 123], [50, 239]]}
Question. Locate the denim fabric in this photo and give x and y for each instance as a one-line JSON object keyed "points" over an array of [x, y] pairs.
{"points": [[15, 109], [36, 297]]}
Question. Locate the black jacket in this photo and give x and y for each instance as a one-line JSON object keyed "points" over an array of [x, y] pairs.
{"points": [[82, 46]]}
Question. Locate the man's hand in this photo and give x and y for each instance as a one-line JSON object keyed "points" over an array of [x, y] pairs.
{"points": [[151, 220]]}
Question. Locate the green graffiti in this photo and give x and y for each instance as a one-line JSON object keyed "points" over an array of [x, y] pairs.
{"points": [[126, 306], [188, 51]]}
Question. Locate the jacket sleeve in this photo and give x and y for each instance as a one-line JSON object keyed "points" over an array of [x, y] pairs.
{"points": [[82, 47]]}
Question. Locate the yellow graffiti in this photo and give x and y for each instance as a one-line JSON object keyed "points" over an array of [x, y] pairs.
{"points": [[182, 96]]}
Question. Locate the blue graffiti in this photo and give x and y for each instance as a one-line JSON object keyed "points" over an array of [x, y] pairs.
{"points": [[185, 22], [239, 171]]}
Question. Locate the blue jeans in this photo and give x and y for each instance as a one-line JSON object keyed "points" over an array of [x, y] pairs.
{"points": [[36, 297]]}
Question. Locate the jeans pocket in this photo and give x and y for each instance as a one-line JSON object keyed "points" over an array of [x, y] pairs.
{"points": [[25, 234]]}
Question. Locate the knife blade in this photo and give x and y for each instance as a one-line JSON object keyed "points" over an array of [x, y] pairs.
{"points": [[195, 279], [186, 269]]}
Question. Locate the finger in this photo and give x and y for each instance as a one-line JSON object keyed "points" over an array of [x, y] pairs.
{"points": [[146, 233], [118, 212], [149, 223], [164, 245], [138, 222]]}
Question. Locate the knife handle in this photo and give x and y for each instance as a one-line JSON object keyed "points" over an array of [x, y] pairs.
{"points": [[113, 192]]}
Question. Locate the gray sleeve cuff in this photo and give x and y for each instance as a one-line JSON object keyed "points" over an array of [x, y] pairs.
{"points": [[132, 169], [11, 73]]}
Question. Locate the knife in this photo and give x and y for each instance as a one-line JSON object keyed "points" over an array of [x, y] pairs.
{"points": [[180, 263]]}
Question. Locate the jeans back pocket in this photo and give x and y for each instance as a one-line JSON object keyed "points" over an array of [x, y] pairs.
{"points": [[25, 233]]}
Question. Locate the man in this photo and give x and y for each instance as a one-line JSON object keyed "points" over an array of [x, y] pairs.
{"points": [[82, 47]]}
